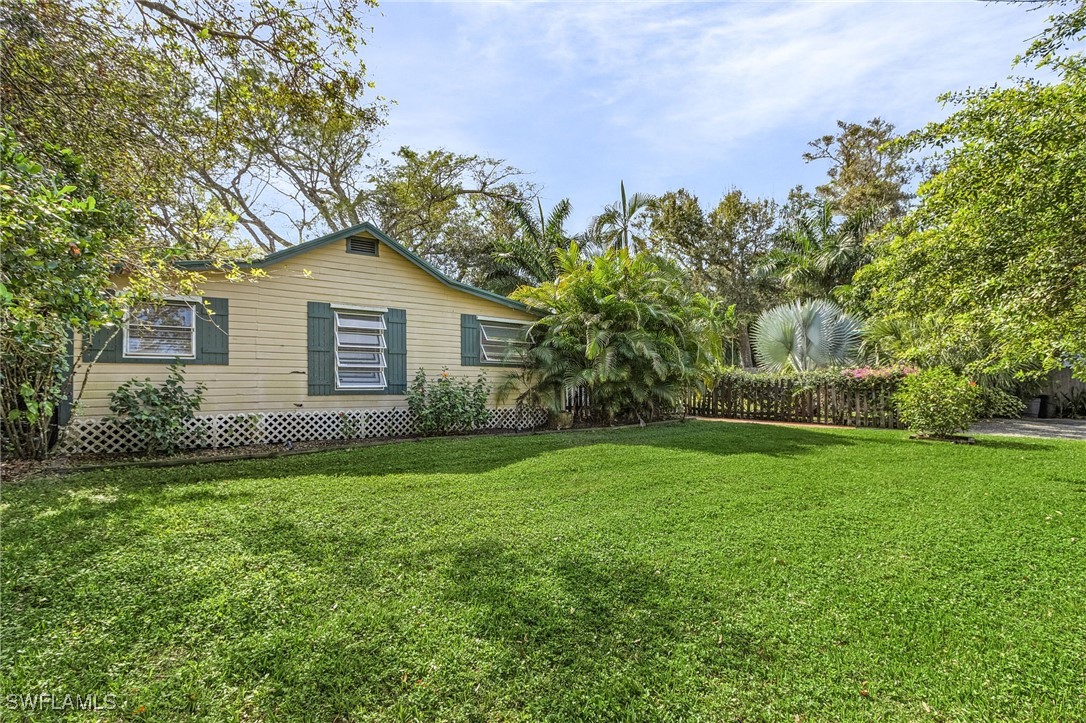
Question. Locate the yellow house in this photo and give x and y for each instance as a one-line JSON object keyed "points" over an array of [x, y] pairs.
{"points": [[322, 347]]}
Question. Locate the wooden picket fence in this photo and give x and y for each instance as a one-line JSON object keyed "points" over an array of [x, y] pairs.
{"points": [[784, 401]]}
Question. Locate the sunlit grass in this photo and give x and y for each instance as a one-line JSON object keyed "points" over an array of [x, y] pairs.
{"points": [[701, 570]]}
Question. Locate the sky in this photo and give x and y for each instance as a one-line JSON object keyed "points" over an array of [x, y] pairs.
{"points": [[705, 95]]}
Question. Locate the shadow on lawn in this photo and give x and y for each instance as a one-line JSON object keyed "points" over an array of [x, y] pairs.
{"points": [[475, 455], [457, 455], [618, 622], [452, 456]]}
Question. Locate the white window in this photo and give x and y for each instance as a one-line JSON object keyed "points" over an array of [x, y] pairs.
{"points": [[502, 342], [162, 331], [360, 350]]}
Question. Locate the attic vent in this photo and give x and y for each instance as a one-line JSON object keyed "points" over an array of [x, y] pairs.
{"points": [[366, 246]]}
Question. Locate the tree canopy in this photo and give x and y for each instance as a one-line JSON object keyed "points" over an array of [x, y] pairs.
{"points": [[867, 172], [235, 128], [721, 250], [994, 255], [191, 109]]}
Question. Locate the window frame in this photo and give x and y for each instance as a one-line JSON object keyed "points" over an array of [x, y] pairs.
{"points": [[380, 349], [506, 361], [176, 300]]}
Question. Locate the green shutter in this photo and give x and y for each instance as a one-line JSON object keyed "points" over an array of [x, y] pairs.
{"points": [[212, 339], [322, 349], [103, 345], [396, 353], [212, 332], [469, 340]]}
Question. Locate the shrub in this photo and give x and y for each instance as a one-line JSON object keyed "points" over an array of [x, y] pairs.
{"points": [[625, 328], [937, 402], [855, 395], [446, 404], [60, 233], [157, 414], [848, 379], [995, 402], [1070, 405]]}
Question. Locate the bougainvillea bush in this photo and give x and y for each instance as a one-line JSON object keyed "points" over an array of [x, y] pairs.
{"points": [[866, 378]]}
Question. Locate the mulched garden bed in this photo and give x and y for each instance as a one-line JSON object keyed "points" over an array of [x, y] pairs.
{"points": [[954, 438]]}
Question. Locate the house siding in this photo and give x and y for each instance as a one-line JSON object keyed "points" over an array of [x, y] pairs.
{"points": [[268, 357]]}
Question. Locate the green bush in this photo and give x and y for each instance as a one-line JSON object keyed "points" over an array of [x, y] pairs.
{"points": [[625, 328], [998, 403], [937, 402], [61, 232], [157, 414], [1069, 405], [874, 379], [447, 405]]}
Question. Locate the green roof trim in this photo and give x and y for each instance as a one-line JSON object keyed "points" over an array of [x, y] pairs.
{"points": [[384, 238]]}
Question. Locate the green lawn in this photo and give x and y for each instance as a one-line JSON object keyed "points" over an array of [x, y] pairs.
{"points": [[692, 571]]}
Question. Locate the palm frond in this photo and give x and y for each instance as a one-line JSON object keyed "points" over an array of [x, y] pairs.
{"points": [[805, 335]]}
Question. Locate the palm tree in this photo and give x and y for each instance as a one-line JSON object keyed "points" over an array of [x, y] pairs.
{"points": [[625, 328], [805, 335], [528, 257], [815, 256], [612, 228]]}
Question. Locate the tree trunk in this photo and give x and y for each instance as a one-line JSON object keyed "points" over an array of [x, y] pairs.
{"points": [[746, 355]]}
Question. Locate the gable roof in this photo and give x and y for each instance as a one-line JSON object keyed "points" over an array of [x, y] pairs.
{"points": [[384, 238]]}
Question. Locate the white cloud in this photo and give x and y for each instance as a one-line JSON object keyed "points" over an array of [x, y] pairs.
{"points": [[682, 76], [655, 92]]}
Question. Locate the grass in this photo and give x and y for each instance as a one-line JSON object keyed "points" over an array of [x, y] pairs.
{"points": [[698, 571]]}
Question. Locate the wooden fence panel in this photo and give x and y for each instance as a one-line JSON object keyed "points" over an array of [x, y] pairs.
{"points": [[782, 400]]}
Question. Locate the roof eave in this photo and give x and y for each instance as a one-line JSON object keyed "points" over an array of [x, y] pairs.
{"points": [[395, 245]]}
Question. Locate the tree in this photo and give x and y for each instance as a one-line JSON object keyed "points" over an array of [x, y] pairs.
{"points": [[867, 171], [805, 335], [213, 116], [443, 205], [721, 251], [62, 238], [619, 223], [68, 80], [815, 255], [993, 255], [529, 256], [624, 327], [741, 231], [232, 127], [678, 229]]}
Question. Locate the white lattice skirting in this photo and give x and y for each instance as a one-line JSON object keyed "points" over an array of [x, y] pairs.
{"points": [[102, 436]]}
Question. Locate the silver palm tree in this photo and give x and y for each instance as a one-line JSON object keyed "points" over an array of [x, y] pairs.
{"points": [[805, 335]]}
